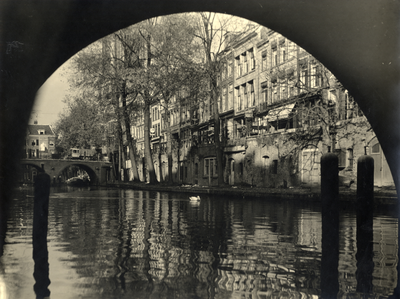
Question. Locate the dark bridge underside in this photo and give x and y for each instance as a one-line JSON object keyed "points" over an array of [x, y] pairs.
{"points": [[357, 40], [90, 172]]}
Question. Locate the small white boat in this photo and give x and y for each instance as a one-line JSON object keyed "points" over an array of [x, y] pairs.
{"points": [[194, 198]]}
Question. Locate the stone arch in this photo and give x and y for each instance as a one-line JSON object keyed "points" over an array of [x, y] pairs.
{"points": [[37, 167], [90, 171], [31, 173]]}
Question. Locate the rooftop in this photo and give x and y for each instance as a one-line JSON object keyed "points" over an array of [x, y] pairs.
{"points": [[39, 130]]}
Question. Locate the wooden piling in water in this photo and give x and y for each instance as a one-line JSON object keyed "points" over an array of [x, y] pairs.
{"points": [[365, 210], [330, 225], [39, 237]]}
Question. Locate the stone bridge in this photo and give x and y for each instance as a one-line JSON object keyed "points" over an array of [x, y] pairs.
{"points": [[97, 170]]}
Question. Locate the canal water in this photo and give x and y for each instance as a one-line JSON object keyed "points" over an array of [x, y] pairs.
{"points": [[106, 243]]}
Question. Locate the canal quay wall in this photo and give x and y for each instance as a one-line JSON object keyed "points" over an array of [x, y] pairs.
{"points": [[381, 195]]}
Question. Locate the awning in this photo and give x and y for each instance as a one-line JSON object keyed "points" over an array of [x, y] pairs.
{"points": [[280, 112]]}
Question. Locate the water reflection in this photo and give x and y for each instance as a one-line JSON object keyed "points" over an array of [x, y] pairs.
{"points": [[128, 243], [39, 236]]}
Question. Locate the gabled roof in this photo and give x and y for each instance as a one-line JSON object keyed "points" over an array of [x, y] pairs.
{"points": [[34, 130]]}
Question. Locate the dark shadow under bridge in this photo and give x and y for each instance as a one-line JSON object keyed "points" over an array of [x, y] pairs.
{"points": [[97, 170]]}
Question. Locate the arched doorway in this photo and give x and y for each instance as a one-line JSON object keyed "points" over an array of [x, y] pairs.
{"points": [[382, 173], [310, 166]]}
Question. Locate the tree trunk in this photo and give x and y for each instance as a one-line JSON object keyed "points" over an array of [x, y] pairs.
{"points": [[113, 159], [169, 144], [147, 149], [147, 120], [132, 156], [132, 148], [170, 159], [217, 141], [121, 160]]}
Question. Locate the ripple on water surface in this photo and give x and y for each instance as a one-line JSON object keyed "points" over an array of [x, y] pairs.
{"points": [[132, 243]]}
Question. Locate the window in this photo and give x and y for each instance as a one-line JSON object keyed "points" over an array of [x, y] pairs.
{"points": [[350, 159], [318, 77], [252, 60], [238, 66], [314, 80], [210, 167], [230, 97], [246, 63], [252, 96], [196, 169], [274, 57], [283, 55], [375, 149], [352, 109], [239, 99], [303, 78], [245, 96], [223, 71], [230, 68], [341, 158], [264, 92], [274, 169], [224, 100], [264, 61], [274, 92]]}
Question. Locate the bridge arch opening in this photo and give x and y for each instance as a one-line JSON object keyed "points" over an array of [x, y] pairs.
{"points": [[306, 46], [93, 177], [28, 172], [361, 49]]}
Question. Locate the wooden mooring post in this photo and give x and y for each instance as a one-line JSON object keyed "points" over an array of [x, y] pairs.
{"points": [[365, 210], [330, 225], [39, 237]]}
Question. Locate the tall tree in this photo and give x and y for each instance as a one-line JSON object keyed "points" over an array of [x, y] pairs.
{"points": [[81, 125], [177, 64], [101, 72], [167, 68], [213, 31]]}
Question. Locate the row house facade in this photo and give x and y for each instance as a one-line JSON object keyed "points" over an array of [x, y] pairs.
{"points": [[280, 110], [39, 144]]}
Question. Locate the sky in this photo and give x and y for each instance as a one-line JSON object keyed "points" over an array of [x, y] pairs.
{"points": [[48, 103]]}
